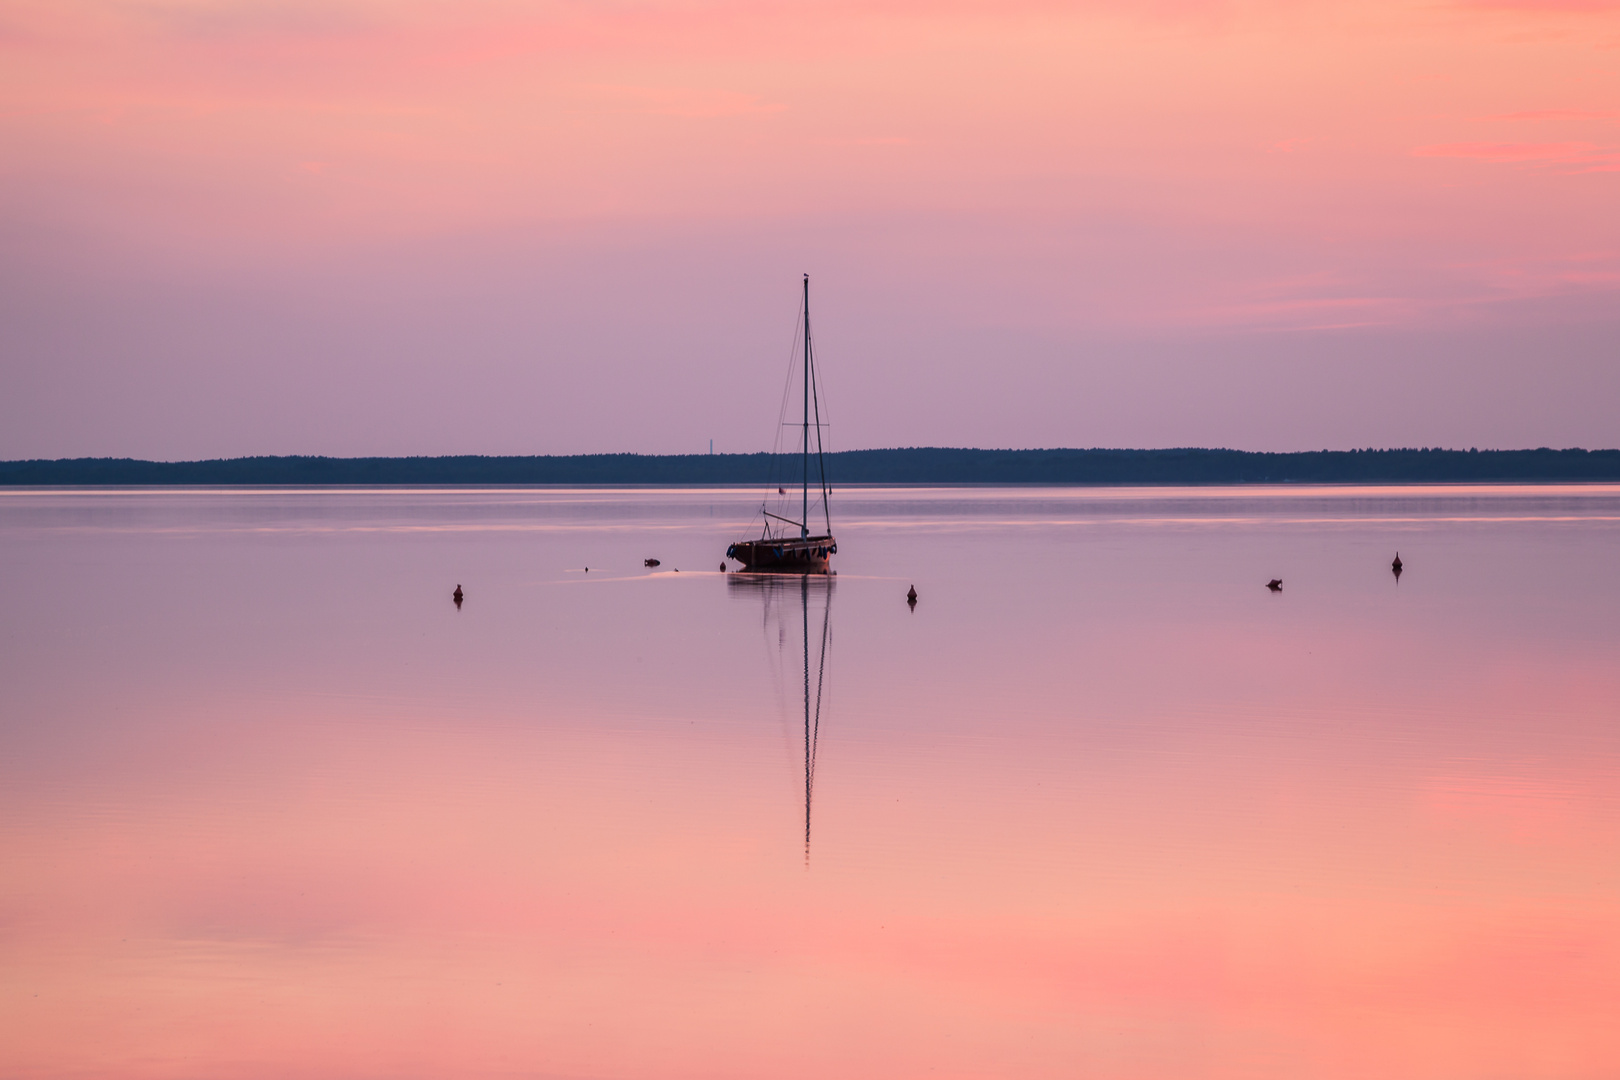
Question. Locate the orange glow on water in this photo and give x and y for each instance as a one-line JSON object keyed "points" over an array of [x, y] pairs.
{"points": [[1126, 813]]}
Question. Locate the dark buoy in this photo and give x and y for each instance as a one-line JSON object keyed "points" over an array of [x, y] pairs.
{"points": [[911, 597], [456, 596], [722, 568], [1396, 567], [1275, 584], [649, 562]]}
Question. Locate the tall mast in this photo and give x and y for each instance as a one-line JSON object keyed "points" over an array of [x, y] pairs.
{"points": [[804, 514]]}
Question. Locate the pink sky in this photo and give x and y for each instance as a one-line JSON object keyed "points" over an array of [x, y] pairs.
{"points": [[418, 227]]}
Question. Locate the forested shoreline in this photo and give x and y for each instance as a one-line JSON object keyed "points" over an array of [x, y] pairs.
{"points": [[917, 465]]}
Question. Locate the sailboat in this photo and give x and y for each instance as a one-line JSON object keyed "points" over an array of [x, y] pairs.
{"points": [[777, 548]]}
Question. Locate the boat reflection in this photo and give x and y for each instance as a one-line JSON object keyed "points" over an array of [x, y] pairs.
{"points": [[789, 606]]}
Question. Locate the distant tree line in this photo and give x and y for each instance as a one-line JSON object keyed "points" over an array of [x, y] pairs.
{"points": [[910, 465]]}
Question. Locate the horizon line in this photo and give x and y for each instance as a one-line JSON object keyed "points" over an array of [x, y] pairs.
{"points": [[110, 459]]}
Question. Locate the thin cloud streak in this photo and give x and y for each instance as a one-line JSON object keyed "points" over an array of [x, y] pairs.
{"points": [[1584, 156]]}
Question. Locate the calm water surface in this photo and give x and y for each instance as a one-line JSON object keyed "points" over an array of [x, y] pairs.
{"points": [[1101, 805]]}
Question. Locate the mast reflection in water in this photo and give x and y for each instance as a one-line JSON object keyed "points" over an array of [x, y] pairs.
{"points": [[789, 606]]}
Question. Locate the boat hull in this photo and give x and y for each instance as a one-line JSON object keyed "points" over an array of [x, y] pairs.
{"points": [[799, 556]]}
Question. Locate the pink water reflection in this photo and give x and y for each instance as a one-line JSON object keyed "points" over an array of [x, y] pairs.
{"points": [[270, 806]]}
